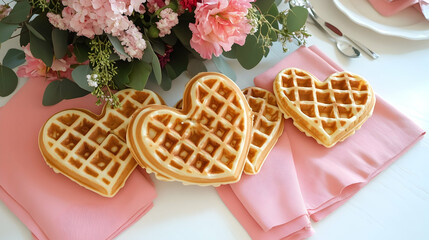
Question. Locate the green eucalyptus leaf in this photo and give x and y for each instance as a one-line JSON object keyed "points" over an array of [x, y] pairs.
{"points": [[166, 80], [139, 75], [169, 39], [59, 40], [117, 45], [13, 58], [42, 50], [232, 53], [19, 13], [24, 37], [274, 23], [156, 66], [296, 18], [79, 77], [224, 67], [8, 81], [58, 90], [158, 47], [264, 5], [183, 33], [250, 54], [122, 78], [42, 25], [147, 54], [6, 31], [114, 57], [81, 51], [196, 66], [178, 60], [35, 32], [70, 90]]}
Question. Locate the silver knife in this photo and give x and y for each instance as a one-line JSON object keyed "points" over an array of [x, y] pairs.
{"points": [[331, 28]]}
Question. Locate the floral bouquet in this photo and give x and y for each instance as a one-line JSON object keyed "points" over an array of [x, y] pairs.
{"points": [[97, 46]]}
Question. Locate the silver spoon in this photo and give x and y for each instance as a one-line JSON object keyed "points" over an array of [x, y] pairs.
{"points": [[342, 45]]}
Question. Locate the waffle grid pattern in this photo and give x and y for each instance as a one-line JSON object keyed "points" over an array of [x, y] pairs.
{"points": [[117, 119], [91, 149], [88, 147], [329, 105], [209, 140], [267, 122]]}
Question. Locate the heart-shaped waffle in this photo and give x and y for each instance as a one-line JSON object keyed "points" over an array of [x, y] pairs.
{"points": [[267, 127], [328, 111], [91, 149], [204, 143]]}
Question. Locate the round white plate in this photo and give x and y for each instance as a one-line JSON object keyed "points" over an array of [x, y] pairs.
{"points": [[408, 23]]}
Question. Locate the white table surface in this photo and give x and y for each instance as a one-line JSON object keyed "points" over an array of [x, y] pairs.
{"points": [[395, 205]]}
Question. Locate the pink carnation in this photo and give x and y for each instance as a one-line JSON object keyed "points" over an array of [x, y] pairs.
{"points": [[35, 68], [218, 25]]}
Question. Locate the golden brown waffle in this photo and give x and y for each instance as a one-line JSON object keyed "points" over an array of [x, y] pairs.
{"points": [[267, 127], [205, 143], [91, 149], [328, 111]]}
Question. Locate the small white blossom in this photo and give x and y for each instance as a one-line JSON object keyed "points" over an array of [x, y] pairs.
{"points": [[92, 80]]}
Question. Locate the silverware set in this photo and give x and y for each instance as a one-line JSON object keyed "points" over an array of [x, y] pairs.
{"points": [[347, 46]]}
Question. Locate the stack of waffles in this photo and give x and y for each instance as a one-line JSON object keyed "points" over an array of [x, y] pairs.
{"points": [[206, 140], [211, 137]]}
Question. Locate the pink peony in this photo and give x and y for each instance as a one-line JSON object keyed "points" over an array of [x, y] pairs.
{"points": [[218, 25], [35, 68]]}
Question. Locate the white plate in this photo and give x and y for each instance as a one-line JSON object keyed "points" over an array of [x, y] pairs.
{"points": [[408, 23]]}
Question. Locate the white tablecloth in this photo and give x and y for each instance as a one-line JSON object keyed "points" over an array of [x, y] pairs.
{"points": [[395, 205]]}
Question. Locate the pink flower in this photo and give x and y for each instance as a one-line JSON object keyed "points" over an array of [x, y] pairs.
{"points": [[35, 68], [168, 20], [93, 17], [154, 5], [4, 11], [218, 25]]}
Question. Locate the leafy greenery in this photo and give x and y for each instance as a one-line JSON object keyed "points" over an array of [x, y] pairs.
{"points": [[60, 43], [19, 13], [104, 68], [164, 59], [14, 58], [58, 90], [8, 81]]}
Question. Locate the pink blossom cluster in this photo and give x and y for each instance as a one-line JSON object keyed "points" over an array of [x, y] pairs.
{"points": [[93, 17], [218, 25], [4, 11], [36, 68], [154, 5], [168, 20]]}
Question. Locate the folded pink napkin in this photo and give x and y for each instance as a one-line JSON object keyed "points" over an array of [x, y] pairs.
{"points": [[302, 179], [389, 8], [49, 204]]}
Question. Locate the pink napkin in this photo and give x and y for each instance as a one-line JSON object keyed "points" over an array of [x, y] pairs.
{"points": [[49, 204], [302, 179], [389, 8]]}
